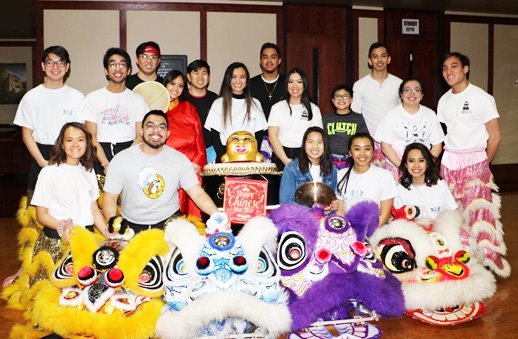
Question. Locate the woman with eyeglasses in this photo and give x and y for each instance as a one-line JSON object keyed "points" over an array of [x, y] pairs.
{"points": [[235, 109], [291, 117], [407, 123], [341, 124], [186, 133]]}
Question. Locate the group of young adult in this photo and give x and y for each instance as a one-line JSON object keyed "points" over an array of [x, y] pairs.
{"points": [[339, 149], [395, 139]]}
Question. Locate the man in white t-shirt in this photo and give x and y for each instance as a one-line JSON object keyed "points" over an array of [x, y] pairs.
{"points": [[114, 113], [148, 176], [46, 108], [472, 140], [376, 93]]}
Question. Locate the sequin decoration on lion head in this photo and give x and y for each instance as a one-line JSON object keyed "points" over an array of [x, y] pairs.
{"points": [[442, 283], [327, 265], [104, 288], [242, 146]]}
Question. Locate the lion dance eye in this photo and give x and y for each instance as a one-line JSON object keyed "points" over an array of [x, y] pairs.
{"points": [[397, 255], [151, 276], [291, 252], [87, 276]]}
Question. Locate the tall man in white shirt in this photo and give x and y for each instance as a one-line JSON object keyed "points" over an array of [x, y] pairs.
{"points": [[472, 140], [114, 113], [46, 108], [376, 93]]}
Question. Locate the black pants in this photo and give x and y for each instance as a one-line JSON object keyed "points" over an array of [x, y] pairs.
{"points": [[34, 168], [110, 150], [291, 153]]}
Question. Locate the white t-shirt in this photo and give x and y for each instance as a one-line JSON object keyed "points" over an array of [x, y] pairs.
{"points": [[115, 114], [315, 173], [237, 120], [465, 115], [374, 100], [292, 127], [67, 192], [400, 128], [431, 200], [46, 110], [376, 184]]}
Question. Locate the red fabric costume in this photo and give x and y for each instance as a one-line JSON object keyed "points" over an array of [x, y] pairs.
{"points": [[186, 137]]}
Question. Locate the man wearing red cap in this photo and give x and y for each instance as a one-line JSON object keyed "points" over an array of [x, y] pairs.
{"points": [[148, 60]]}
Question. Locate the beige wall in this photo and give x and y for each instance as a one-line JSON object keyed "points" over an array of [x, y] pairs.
{"points": [[248, 31], [472, 40], [230, 37], [15, 55], [178, 33], [367, 34], [86, 34], [505, 90]]}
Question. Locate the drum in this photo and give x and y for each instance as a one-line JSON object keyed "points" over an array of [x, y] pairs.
{"points": [[214, 176]]}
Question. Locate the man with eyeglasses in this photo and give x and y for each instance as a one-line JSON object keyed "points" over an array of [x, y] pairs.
{"points": [[149, 175], [341, 124], [114, 113], [377, 92], [148, 61], [46, 108]]}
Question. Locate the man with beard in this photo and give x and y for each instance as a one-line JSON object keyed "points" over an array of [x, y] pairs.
{"points": [[148, 61], [268, 87], [113, 114], [149, 175]]}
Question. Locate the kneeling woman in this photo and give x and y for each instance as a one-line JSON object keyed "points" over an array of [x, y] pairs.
{"points": [[420, 184], [313, 164], [363, 181], [66, 191]]}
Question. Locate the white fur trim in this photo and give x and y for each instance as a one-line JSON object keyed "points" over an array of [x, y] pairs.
{"points": [[183, 234], [256, 233], [479, 285], [275, 318]]}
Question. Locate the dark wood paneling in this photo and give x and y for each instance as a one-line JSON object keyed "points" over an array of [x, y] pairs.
{"points": [[505, 177], [203, 35], [305, 32], [423, 48]]}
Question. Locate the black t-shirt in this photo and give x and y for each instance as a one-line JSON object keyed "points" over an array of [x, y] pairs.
{"points": [[267, 94], [203, 105], [340, 128], [134, 80]]}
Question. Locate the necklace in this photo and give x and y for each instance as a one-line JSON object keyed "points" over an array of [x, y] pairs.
{"points": [[273, 89]]}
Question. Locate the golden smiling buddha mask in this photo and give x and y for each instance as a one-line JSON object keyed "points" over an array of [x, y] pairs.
{"points": [[242, 146]]}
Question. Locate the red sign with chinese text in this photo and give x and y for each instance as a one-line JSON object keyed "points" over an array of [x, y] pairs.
{"points": [[244, 198]]}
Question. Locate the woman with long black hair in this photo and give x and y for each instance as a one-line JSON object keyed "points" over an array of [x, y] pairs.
{"points": [[291, 117]]}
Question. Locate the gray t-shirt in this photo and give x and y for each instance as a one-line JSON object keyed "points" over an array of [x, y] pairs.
{"points": [[149, 182]]}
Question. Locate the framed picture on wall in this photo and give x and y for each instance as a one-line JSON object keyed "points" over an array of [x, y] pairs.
{"points": [[13, 83], [170, 62]]}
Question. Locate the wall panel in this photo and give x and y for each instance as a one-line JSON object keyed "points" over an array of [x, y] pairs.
{"points": [[237, 37], [367, 34], [179, 32], [86, 34], [472, 39], [505, 90]]}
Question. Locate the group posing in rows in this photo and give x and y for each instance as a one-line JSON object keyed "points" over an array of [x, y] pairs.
{"points": [[378, 135]]}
